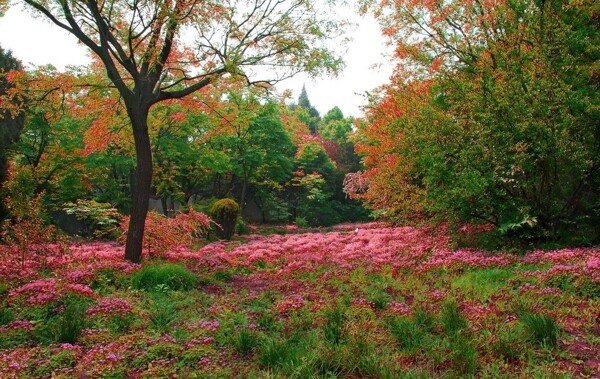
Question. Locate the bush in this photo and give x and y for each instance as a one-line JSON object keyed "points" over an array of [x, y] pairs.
{"points": [[162, 233], [167, 276], [101, 219], [225, 212]]}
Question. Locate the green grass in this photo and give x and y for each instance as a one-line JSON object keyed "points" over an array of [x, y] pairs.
{"points": [[408, 333], [483, 283], [540, 329]]}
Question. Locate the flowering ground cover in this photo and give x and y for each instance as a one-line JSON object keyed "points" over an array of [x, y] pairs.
{"points": [[359, 301]]}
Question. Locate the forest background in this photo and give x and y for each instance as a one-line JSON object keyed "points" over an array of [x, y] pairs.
{"points": [[491, 116]]}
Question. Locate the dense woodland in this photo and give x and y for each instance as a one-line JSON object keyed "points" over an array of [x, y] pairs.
{"points": [[167, 213]]}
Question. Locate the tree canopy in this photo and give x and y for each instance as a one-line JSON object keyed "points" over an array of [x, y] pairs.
{"points": [[491, 116]]}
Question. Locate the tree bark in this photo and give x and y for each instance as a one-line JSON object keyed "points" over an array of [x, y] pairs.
{"points": [[142, 185]]}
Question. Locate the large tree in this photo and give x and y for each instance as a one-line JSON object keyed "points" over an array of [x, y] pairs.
{"points": [[157, 50], [492, 116]]}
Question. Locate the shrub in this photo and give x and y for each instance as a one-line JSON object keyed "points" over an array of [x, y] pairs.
{"points": [[225, 212], [162, 233], [29, 236], [101, 219], [169, 276]]}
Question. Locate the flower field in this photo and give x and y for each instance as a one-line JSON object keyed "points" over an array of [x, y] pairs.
{"points": [[358, 301]]}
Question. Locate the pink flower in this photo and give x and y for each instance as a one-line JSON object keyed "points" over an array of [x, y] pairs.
{"points": [[437, 295], [38, 292], [289, 303], [110, 307], [362, 302], [399, 308], [80, 289], [24, 325], [211, 326]]}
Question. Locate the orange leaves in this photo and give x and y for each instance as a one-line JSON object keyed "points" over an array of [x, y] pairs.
{"points": [[97, 137], [178, 117]]}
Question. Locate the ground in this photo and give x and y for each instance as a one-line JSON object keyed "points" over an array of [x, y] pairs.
{"points": [[368, 300]]}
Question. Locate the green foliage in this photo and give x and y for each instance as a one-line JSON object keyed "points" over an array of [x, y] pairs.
{"points": [[334, 127], [301, 222], [162, 313], [245, 340], [482, 284], [540, 329], [168, 276], [309, 114], [282, 354], [10, 124], [101, 219], [378, 297], [452, 319], [508, 345], [66, 325], [225, 213]]}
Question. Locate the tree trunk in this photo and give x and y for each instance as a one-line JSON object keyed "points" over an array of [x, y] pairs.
{"points": [[141, 188], [243, 195]]}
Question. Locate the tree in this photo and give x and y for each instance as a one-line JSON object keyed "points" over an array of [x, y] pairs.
{"points": [[310, 116], [491, 116], [149, 57], [261, 150]]}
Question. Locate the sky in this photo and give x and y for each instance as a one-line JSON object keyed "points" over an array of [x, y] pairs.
{"points": [[38, 42]]}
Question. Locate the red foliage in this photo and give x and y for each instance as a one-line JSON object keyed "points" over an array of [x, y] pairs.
{"points": [[163, 233], [32, 245]]}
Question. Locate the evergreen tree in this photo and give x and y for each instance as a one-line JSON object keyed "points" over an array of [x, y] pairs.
{"points": [[312, 116]]}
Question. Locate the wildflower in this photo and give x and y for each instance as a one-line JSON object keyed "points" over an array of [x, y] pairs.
{"points": [[362, 302], [289, 303], [110, 307], [437, 295], [210, 326], [399, 308], [80, 289]]}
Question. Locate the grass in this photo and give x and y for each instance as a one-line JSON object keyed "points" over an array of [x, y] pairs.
{"points": [[540, 329], [407, 332]]}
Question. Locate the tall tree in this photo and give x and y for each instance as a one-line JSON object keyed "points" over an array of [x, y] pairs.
{"points": [[160, 50], [311, 116]]}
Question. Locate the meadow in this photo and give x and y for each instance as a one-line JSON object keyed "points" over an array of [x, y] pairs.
{"points": [[354, 301]]}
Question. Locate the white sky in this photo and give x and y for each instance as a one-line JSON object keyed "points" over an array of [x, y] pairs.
{"points": [[38, 42]]}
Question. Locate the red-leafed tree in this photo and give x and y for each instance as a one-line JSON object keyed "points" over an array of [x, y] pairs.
{"points": [[158, 50]]}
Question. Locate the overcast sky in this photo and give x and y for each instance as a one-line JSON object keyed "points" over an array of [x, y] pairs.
{"points": [[36, 41]]}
